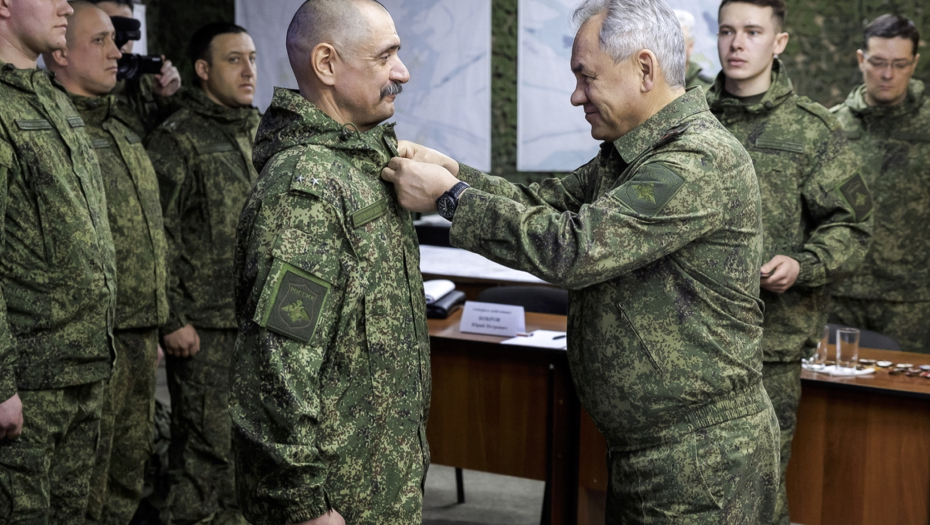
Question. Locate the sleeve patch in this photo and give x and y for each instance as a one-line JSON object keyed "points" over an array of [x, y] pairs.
{"points": [[296, 302], [650, 189], [856, 194]]}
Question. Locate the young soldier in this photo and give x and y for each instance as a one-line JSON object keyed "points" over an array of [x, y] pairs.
{"points": [[203, 157], [57, 279], [815, 206], [659, 241], [887, 121], [86, 68]]}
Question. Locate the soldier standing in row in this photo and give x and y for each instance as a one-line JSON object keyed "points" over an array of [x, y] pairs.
{"points": [[659, 241], [87, 69], [203, 157], [331, 383], [694, 75], [815, 228], [143, 102], [57, 279], [887, 121]]}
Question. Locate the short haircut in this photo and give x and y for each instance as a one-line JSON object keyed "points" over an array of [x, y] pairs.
{"points": [[686, 20], [337, 22], [779, 8], [199, 46], [632, 25], [891, 26], [131, 4]]}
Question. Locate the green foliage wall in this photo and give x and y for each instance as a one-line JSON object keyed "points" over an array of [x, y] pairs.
{"points": [[820, 55]]}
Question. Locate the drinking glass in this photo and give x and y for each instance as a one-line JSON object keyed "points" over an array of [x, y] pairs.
{"points": [[818, 360], [847, 349]]}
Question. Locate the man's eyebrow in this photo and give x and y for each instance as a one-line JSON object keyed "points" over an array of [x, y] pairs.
{"points": [[391, 47]]}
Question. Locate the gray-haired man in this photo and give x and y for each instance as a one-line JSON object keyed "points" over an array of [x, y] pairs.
{"points": [[659, 240]]}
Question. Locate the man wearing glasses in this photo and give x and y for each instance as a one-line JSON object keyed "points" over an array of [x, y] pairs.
{"points": [[887, 121]]}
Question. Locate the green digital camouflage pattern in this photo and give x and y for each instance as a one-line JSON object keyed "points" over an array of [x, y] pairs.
{"points": [[57, 262], [126, 426], [201, 464], [694, 77], [699, 479], [331, 380], [203, 157], [659, 241], [783, 384], [139, 106], [815, 207], [44, 473], [134, 213], [905, 322], [893, 144]]}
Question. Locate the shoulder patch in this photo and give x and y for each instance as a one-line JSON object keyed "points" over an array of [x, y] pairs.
{"points": [[101, 143], [296, 302], [650, 189], [76, 122], [819, 111], [857, 196], [34, 124]]}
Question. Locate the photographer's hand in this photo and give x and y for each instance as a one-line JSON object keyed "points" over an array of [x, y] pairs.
{"points": [[169, 80]]}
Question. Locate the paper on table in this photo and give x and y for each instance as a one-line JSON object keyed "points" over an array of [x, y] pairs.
{"points": [[833, 370], [539, 339], [437, 289]]}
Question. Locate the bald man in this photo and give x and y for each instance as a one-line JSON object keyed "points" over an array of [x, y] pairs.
{"points": [[331, 377], [86, 67]]}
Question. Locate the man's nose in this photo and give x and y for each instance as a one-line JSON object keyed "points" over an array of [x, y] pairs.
{"points": [[400, 73], [578, 97]]}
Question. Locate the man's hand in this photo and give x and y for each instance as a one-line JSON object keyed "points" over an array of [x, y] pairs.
{"points": [[779, 274], [414, 151], [168, 82], [330, 518], [418, 184], [11, 417], [159, 356], [183, 342]]}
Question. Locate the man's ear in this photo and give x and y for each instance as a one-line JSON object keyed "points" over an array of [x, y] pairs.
{"points": [[201, 68], [323, 60], [4, 8], [860, 58], [781, 41], [60, 56], [648, 69]]}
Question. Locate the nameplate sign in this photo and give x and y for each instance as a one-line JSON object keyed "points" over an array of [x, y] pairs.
{"points": [[492, 319]]}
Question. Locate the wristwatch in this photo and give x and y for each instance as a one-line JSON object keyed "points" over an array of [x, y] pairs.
{"points": [[449, 201]]}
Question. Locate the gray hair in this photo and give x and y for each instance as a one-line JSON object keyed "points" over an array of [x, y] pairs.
{"points": [[686, 20], [337, 22], [632, 25]]}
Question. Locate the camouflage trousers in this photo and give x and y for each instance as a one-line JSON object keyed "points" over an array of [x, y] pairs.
{"points": [[125, 429], [720, 475], [907, 323], [783, 385], [44, 473], [200, 460]]}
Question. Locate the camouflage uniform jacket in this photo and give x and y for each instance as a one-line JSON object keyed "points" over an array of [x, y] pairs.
{"points": [[57, 264], [693, 77], [134, 211], [331, 378], [893, 146], [140, 108], [203, 157], [659, 241], [811, 187]]}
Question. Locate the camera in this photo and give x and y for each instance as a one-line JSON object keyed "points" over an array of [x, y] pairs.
{"points": [[132, 66]]}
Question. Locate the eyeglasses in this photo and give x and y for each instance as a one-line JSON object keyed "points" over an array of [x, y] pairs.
{"points": [[881, 64]]}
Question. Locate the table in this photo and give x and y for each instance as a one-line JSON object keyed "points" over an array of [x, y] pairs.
{"points": [[506, 409], [861, 454]]}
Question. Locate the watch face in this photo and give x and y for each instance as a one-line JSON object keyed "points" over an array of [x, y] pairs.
{"points": [[446, 207]]}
